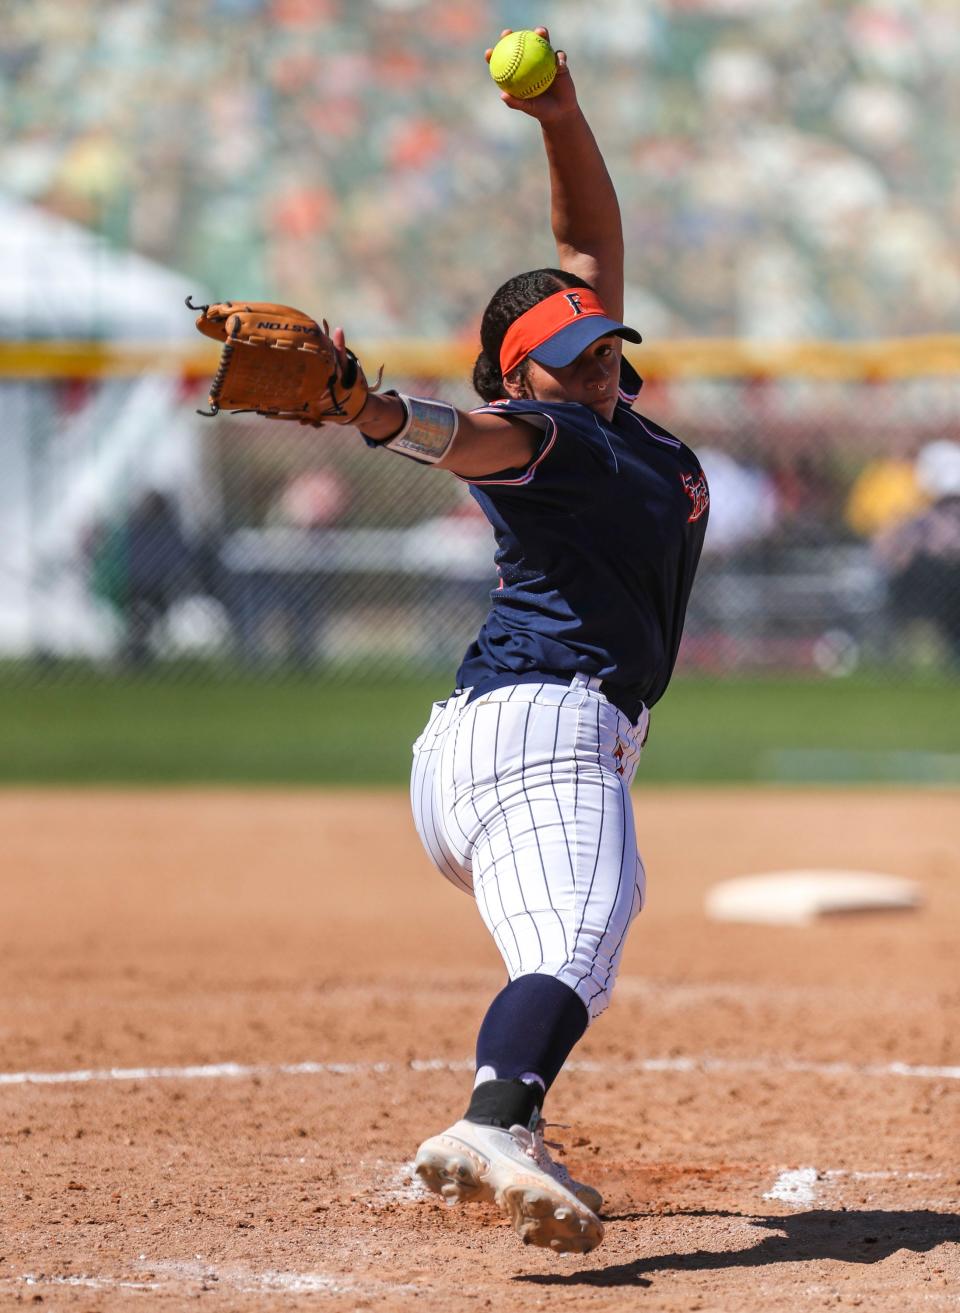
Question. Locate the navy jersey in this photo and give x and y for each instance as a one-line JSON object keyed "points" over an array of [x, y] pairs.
{"points": [[598, 540]]}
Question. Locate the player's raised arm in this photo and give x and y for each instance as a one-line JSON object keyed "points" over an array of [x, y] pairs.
{"points": [[584, 211]]}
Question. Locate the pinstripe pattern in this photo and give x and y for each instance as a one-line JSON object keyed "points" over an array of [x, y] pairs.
{"points": [[522, 798]]}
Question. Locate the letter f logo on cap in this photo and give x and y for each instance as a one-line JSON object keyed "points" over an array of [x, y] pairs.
{"points": [[555, 330]]}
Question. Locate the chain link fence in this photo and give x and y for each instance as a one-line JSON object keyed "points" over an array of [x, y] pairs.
{"points": [[141, 536]]}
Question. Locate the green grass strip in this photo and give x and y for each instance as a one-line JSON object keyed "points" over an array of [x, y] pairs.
{"points": [[235, 729]]}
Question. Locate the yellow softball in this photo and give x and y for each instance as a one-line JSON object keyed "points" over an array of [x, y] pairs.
{"points": [[523, 64]]}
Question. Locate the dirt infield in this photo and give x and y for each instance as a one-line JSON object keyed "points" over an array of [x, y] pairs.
{"points": [[227, 1019]]}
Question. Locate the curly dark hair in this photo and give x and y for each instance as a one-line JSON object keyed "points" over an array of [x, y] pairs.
{"points": [[509, 302]]}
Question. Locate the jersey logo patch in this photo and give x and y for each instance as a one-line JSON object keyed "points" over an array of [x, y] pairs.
{"points": [[698, 492]]}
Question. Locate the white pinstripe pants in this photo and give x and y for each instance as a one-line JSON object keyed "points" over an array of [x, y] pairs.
{"points": [[522, 799]]}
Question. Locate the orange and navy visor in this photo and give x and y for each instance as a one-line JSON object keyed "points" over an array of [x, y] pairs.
{"points": [[558, 328]]}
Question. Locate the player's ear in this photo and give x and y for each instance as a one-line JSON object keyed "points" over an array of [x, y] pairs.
{"points": [[515, 385]]}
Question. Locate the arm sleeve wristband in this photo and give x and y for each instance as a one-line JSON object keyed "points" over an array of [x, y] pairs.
{"points": [[427, 432]]}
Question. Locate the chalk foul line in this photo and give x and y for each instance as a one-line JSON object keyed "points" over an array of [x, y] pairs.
{"points": [[801, 1187], [704, 1065], [170, 1275]]}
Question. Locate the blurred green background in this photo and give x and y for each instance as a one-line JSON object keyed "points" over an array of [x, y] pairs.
{"points": [[302, 731], [187, 600]]}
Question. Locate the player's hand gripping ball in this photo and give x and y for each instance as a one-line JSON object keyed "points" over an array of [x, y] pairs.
{"points": [[523, 64]]}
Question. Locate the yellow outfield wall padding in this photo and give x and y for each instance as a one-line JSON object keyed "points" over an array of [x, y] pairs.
{"points": [[406, 358]]}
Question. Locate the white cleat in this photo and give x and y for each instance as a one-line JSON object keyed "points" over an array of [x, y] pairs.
{"points": [[469, 1162], [587, 1194]]}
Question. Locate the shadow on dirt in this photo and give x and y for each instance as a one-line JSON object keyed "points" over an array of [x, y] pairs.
{"points": [[848, 1237]]}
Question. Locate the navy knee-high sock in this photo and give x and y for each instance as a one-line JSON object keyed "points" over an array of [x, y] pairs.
{"points": [[529, 1031]]}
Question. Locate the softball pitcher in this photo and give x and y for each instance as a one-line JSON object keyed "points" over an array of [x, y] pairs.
{"points": [[521, 778]]}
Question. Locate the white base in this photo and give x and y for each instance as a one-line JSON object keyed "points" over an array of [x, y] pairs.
{"points": [[799, 897]]}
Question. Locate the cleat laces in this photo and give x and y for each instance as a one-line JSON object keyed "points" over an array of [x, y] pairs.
{"points": [[539, 1150]]}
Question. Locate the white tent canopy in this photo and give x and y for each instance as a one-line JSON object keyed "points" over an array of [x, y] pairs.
{"points": [[60, 281], [67, 470]]}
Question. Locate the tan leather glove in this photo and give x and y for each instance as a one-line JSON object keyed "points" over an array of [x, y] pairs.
{"points": [[279, 362]]}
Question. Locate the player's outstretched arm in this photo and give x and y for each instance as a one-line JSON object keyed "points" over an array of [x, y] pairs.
{"points": [[456, 440], [283, 364], [584, 210], [480, 444]]}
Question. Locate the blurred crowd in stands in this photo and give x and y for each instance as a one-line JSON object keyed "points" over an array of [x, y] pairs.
{"points": [[787, 168]]}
